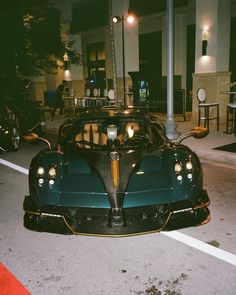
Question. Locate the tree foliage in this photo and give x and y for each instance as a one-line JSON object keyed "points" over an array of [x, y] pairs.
{"points": [[31, 42]]}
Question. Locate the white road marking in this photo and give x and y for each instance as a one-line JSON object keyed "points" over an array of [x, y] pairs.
{"points": [[176, 235], [14, 166], [202, 246]]}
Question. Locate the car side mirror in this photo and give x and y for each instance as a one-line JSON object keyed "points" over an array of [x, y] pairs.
{"points": [[32, 137], [199, 132], [196, 132]]}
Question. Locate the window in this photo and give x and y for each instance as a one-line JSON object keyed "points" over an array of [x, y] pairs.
{"points": [[96, 65]]}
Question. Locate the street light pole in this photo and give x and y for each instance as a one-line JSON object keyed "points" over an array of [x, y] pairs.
{"points": [[170, 124]]}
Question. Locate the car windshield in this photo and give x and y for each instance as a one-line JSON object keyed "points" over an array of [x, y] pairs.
{"points": [[115, 132]]}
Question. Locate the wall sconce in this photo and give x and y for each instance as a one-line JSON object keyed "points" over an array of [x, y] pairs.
{"points": [[66, 61], [67, 72], [67, 75], [65, 57], [204, 42]]}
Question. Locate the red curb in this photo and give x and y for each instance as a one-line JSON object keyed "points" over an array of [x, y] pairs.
{"points": [[9, 285]]}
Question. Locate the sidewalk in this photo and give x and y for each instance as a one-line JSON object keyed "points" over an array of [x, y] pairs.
{"points": [[203, 147]]}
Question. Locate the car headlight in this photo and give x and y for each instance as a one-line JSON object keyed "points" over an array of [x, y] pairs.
{"points": [[40, 181], [190, 176], [52, 172], [178, 167], [40, 171], [179, 177], [51, 182], [189, 165]]}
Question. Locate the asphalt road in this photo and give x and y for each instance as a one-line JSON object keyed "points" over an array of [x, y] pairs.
{"points": [[156, 264]]}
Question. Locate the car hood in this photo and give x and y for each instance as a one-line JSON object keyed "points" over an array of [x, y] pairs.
{"points": [[122, 173]]}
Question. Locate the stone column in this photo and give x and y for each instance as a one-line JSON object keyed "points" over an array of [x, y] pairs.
{"points": [[212, 69]]}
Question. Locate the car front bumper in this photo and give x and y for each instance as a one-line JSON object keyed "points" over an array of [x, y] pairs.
{"points": [[107, 222]]}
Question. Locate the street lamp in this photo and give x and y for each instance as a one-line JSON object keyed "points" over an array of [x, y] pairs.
{"points": [[130, 20]]}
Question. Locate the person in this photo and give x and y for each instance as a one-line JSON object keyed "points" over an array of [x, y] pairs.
{"points": [[59, 94]]}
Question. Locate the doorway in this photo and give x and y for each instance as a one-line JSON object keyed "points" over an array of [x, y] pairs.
{"points": [[150, 61]]}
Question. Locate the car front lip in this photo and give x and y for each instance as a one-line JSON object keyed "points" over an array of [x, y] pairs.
{"points": [[105, 222]]}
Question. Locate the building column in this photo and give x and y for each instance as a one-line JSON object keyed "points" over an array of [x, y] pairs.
{"points": [[212, 66]]}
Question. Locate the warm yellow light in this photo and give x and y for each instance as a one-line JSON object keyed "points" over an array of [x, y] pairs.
{"points": [[189, 165], [65, 57], [204, 35], [67, 75], [130, 19], [40, 171], [52, 172], [178, 167]]}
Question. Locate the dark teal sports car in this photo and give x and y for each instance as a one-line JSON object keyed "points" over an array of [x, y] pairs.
{"points": [[114, 172]]}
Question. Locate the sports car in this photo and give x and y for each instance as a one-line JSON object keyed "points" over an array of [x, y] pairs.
{"points": [[114, 172]]}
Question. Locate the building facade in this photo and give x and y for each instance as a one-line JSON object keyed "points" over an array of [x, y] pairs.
{"points": [[132, 58]]}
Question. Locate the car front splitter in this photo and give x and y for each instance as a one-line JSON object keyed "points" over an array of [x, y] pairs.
{"points": [[98, 222]]}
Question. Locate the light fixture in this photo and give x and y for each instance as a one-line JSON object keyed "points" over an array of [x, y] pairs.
{"points": [[189, 165], [65, 57], [52, 172], [178, 167], [204, 42], [130, 131], [112, 132], [40, 171], [67, 75], [116, 19], [130, 19]]}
